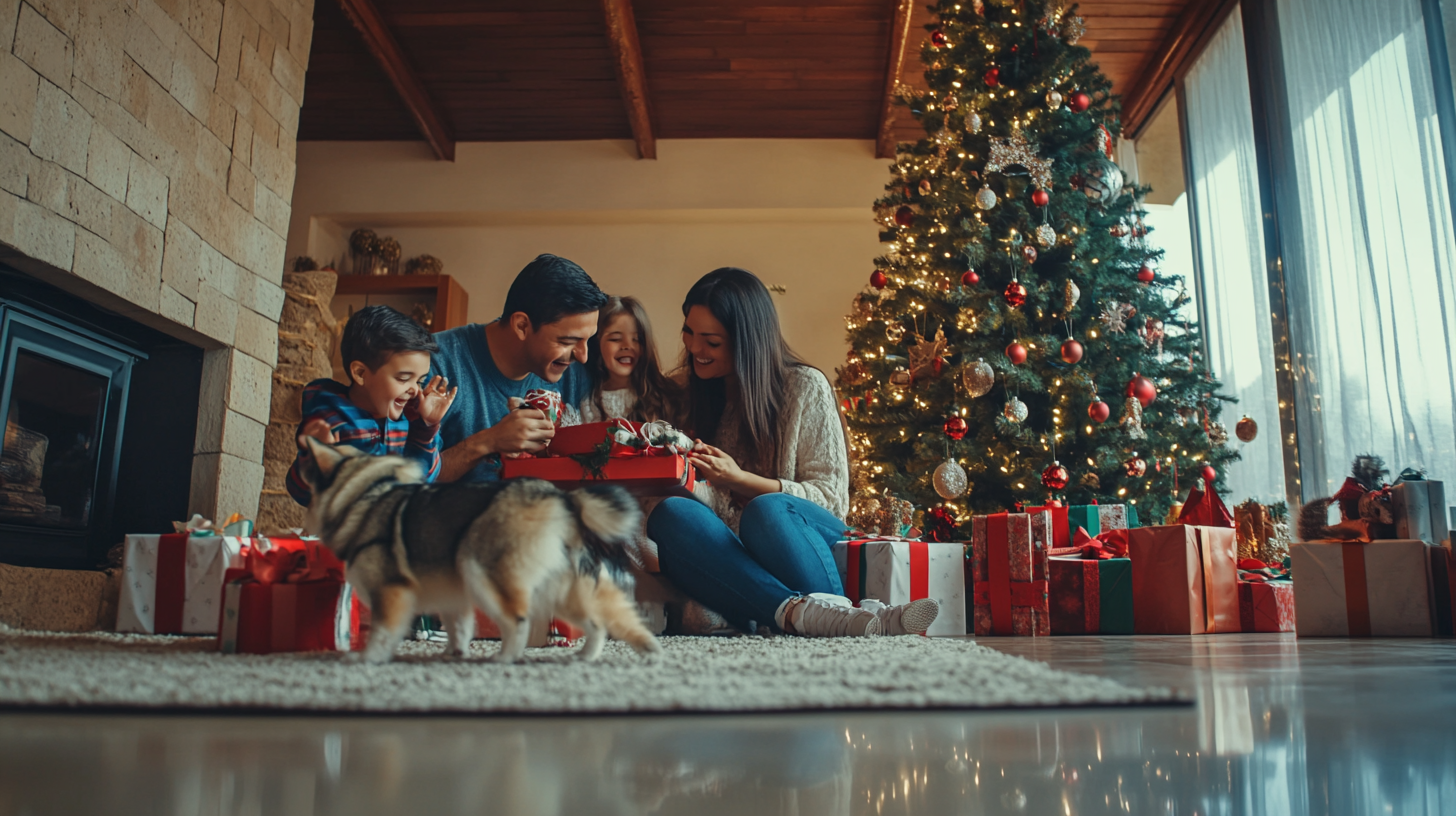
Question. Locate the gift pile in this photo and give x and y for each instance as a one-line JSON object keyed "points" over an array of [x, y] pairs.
{"points": [[646, 458]]}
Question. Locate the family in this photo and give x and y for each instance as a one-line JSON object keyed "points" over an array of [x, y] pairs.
{"points": [[754, 546]]}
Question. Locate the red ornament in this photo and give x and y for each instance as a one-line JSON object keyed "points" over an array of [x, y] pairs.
{"points": [[940, 524], [1136, 467], [1016, 353], [1040, 198], [1146, 274], [937, 38], [970, 278], [956, 428], [904, 216], [1079, 102], [1015, 294], [879, 279], [1071, 351], [1055, 477], [993, 77], [1209, 474], [1028, 252], [1099, 411], [1142, 388]]}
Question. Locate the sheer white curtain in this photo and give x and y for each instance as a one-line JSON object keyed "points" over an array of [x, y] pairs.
{"points": [[1370, 249], [1224, 181]]}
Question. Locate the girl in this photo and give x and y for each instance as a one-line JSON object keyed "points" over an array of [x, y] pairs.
{"points": [[622, 359], [772, 446]]}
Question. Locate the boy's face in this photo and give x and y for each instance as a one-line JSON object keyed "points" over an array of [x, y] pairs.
{"points": [[389, 388]]}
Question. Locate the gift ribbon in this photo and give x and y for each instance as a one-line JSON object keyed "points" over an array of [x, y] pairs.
{"points": [[998, 569], [171, 583], [856, 570], [293, 565], [1205, 556], [1111, 544], [1357, 593]]}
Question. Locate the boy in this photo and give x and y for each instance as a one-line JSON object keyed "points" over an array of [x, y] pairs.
{"points": [[383, 409]]}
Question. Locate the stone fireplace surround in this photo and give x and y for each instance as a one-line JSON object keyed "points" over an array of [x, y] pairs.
{"points": [[147, 165]]}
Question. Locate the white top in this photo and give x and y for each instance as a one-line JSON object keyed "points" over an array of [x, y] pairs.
{"points": [[618, 405]]}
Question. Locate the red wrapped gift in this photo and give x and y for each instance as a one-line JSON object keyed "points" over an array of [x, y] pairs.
{"points": [[641, 475], [1009, 575], [622, 438], [546, 401], [1061, 531], [291, 598], [1184, 580], [1205, 508], [1266, 606]]}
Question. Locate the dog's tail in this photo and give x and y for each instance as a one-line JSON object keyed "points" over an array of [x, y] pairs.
{"points": [[609, 519]]}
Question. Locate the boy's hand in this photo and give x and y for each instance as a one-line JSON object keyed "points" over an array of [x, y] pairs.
{"points": [[318, 429], [432, 403]]}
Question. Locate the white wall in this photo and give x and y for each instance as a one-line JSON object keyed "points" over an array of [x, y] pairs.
{"points": [[795, 212]]}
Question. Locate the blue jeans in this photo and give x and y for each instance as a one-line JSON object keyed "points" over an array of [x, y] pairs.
{"points": [[782, 551]]}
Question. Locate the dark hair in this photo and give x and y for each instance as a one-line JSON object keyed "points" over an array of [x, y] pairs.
{"points": [[761, 360], [657, 396], [375, 332], [550, 288]]}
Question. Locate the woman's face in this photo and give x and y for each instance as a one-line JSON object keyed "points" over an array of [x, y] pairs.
{"points": [[621, 345], [706, 342]]}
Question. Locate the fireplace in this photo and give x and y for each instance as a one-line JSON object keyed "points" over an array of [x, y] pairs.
{"points": [[99, 415]]}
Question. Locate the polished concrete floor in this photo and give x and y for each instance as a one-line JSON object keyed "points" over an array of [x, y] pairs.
{"points": [[1281, 727]]}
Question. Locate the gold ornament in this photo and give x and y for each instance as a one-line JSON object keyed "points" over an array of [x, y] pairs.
{"points": [[1015, 150], [950, 102], [1070, 295], [895, 331], [853, 374], [1045, 235], [1053, 99], [1073, 28], [978, 378], [1132, 419], [927, 356], [363, 242], [1246, 429], [1015, 410], [950, 479], [424, 265], [1217, 434], [1090, 481]]}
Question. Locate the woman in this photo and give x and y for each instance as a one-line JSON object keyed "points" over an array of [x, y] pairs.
{"points": [[771, 444]]}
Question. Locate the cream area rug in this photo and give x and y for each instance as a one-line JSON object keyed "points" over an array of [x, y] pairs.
{"points": [[693, 674]]}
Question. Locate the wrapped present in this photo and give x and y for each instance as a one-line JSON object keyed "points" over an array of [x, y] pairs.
{"points": [[1116, 517], [619, 438], [898, 571], [546, 401], [1204, 508], [290, 598], [640, 475], [1090, 596], [1266, 606], [1060, 533], [1368, 589], [1184, 580], [1419, 507], [1087, 517], [1262, 530], [172, 583], [1009, 575]]}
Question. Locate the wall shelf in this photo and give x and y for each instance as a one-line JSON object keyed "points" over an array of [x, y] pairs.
{"points": [[450, 299]]}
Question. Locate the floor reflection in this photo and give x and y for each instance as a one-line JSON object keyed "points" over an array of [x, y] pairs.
{"points": [[1336, 727]]}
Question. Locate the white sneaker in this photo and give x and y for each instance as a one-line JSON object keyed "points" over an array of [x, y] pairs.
{"points": [[906, 619], [821, 615]]}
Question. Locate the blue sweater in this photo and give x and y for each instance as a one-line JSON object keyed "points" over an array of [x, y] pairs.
{"points": [[464, 357]]}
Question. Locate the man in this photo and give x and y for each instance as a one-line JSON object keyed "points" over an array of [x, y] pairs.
{"points": [[538, 342]]}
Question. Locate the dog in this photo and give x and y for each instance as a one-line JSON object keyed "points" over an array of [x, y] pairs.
{"points": [[510, 549]]}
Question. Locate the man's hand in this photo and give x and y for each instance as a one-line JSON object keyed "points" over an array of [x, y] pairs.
{"points": [[431, 404], [524, 430]]}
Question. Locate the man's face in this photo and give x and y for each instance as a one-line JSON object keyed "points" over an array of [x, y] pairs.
{"points": [[554, 346]]}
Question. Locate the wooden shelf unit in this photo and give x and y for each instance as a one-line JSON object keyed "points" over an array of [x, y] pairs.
{"points": [[451, 300]]}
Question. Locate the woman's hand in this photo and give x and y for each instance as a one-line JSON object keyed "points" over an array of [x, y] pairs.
{"points": [[715, 466], [432, 403]]}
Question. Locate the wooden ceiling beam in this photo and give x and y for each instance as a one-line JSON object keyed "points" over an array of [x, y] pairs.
{"points": [[386, 51], [631, 76], [1190, 31], [894, 66]]}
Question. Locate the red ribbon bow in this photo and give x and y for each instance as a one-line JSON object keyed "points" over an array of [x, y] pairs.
{"points": [[294, 565], [1111, 544]]}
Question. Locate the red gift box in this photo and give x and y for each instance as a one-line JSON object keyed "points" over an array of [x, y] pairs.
{"points": [[291, 598], [1009, 576], [1061, 533], [1184, 580], [641, 475], [1266, 606], [580, 440]]}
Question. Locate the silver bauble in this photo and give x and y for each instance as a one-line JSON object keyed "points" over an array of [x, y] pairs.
{"points": [[978, 378], [1015, 410], [1102, 181], [950, 479], [986, 198], [1045, 235], [1053, 99], [973, 122]]}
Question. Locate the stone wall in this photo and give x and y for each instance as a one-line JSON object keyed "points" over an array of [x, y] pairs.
{"points": [[147, 163]]}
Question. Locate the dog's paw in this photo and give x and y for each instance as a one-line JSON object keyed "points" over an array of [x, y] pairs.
{"points": [[502, 658]]}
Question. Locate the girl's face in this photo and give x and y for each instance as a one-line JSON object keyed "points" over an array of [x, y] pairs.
{"points": [[621, 345], [706, 342]]}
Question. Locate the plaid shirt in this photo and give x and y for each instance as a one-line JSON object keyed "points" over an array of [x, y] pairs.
{"points": [[329, 400]]}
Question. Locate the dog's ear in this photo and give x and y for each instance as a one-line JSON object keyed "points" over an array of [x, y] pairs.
{"points": [[325, 457]]}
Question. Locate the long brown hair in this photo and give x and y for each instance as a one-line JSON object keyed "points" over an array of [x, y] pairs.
{"points": [[761, 362], [657, 396]]}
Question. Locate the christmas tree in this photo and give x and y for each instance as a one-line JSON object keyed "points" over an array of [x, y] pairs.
{"points": [[1016, 342]]}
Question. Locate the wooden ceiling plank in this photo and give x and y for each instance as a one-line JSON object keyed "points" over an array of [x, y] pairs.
{"points": [[1178, 48], [627, 59], [894, 65], [381, 43]]}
